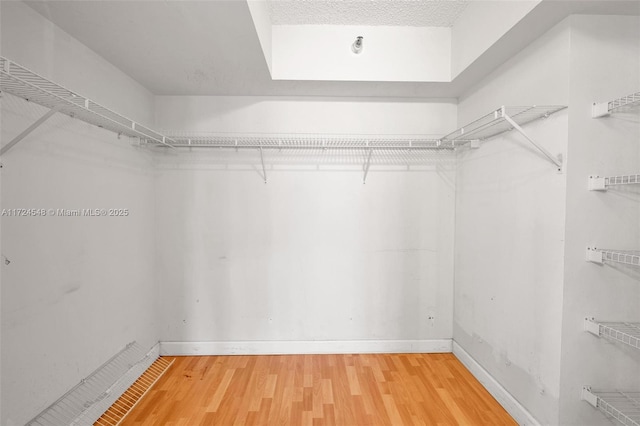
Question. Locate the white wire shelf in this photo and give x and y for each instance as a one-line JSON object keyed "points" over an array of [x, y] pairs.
{"points": [[86, 402], [600, 256], [299, 141], [627, 333], [598, 183], [622, 406], [602, 109], [19, 81], [496, 123]]}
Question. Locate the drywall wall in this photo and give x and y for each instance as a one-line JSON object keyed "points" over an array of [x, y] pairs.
{"points": [[480, 25], [313, 254], [605, 65], [262, 22], [77, 289], [510, 214], [323, 52]]}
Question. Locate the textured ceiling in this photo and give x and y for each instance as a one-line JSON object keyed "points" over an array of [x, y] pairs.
{"points": [[415, 13]]}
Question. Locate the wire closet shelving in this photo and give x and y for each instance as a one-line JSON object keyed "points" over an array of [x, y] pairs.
{"points": [[600, 256], [622, 406], [602, 109], [20, 81], [90, 398], [598, 183], [627, 333]]}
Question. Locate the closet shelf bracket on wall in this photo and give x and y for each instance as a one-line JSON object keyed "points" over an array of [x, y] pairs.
{"points": [[597, 183], [367, 165], [28, 130], [19, 81], [602, 109], [502, 120], [622, 406], [623, 332], [264, 169], [601, 256]]}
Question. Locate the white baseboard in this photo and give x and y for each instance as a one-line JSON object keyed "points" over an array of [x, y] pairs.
{"points": [[305, 347], [508, 402]]}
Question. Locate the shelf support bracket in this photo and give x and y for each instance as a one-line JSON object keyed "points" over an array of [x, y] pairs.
{"points": [[546, 153], [597, 183], [28, 130], [588, 396], [264, 170], [592, 326], [594, 255], [366, 166]]}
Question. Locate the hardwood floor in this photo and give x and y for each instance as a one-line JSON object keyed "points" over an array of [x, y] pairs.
{"points": [[349, 390]]}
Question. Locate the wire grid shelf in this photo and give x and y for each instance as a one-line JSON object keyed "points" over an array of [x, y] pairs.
{"points": [[292, 141], [134, 394], [624, 102], [86, 402], [495, 123], [598, 183], [621, 180], [622, 406], [623, 332], [625, 257], [21, 82]]}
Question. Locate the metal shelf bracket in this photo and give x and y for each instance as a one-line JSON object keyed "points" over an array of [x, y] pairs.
{"points": [[588, 396], [366, 166], [264, 170], [551, 157], [599, 109], [28, 130], [597, 183], [594, 255], [591, 326]]}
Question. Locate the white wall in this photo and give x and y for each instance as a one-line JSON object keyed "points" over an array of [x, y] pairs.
{"points": [[78, 289], [510, 214], [480, 25], [323, 52], [605, 65], [311, 255], [260, 15]]}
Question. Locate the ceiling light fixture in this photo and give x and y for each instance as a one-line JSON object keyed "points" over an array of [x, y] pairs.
{"points": [[356, 47]]}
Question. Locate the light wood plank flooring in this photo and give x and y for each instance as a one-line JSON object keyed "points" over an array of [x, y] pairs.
{"points": [[347, 390]]}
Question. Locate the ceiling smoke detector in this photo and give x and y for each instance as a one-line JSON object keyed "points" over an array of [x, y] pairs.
{"points": [[356, 47]]}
